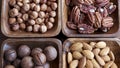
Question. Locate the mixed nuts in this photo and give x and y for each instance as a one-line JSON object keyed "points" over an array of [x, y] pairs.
{"points": [[32, 15], [92, 55], [88, 16], [24, 57]]}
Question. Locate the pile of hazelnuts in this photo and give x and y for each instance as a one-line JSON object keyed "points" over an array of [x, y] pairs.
{"points": [[27, 58], [32, 15]]}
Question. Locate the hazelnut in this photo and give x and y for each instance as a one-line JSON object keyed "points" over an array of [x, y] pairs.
{"points": [[46, 65], [9, 66], [43, 29], [19, 20], [54, 6], [49, 2], [20, 4], [43, 7], [38, 67], [26, 7], [26, 1], [15, 27], [51, 53], [52, 20], [34, 15], [32, 5], [12, 20], [25, 17], [36, 28], [17, 7], [22, 26], [27, 62], [29, 28], [12, 2], [43, 1], [49, 25], [52, 13], [39, 21], [41, 14], [37, 1], [16, 63], [31, 22], [13, 12], [23, 51], [37, 8], [39, 59], [36, 51], [10, 55], [47, 15], [19, 15], [23, 11], [49, 9]]}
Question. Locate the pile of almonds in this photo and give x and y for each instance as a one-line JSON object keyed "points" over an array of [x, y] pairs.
{"points": [[32, 15], [88, 16], [92, 55]]}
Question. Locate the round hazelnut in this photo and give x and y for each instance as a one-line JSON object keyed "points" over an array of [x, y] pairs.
{"points": [[19, 20], [43, 1], [37, 1], [36, 28], [38, 67], [19, 15], [20, 4], [49, 9], [41, 14], [46, 65], [12, 2], [46, 20], [9, 66], [49, 2], [15, 27], [10, 55], [25, 1], [54, 6], [36, 51], [16, 63], [49, 25], [12, 20], [32, 5], [43, 29], [25, 17], [17, 7], [37, 8], [29, 28], [22, 11], [43, 7], [34, 15], [47, 15], [27, 62], [26, 7], [39, 59], [22, 26], [31, 22], [13, 12], [52, 20], [39, 21], [52, 13], [51, 53], [23, 51]]}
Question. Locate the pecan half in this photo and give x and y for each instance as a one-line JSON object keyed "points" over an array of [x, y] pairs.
{"points": [[107, 22], [101, 3], [67, 2], [71, 25], [110, 8], [103, 12], [91, 16]]}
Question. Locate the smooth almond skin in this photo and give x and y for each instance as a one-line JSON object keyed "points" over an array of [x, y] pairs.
{"points": [[100, 60], [74, 64], [114, 66], [106, 58], [101, 44], [109, 64], [69, 57], [64, 61], [86, 46], [95, 64], [92, 44], [76, 46], [82, 62], [96, 51], [77, 55], [88, 54], [112, 56], [104, 51], [89, 64]]}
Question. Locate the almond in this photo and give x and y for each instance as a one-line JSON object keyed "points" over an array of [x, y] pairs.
{"points": [[104, 51], [86, 46], [101, 44], [112, 56], [64, 61], [100, 60], [89, 64], [88, 54], [74, 64], [76, 46], [70, 58], [109, 64], [106, 58], [92, 44], [82, 62], [77, 55], [95, 64], [114, 65], [96, 51]]}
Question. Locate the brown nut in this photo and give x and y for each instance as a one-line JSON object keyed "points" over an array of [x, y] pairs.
{"points": [[25, 17], [77, 55], [96, 51], [49, 25], [104, 51], [54, 6], [32, 5], [12, 20], [108, 64], [53, 14], [19, 20], [47, 15], [76, 46], [89, 54], [100, 60], [43, 29], [82, 62], [89, 64], [51, 19], [69, 57], [101, 44], [106, 58], [34, 15], [36, 28], [26, 7], [31, 22], [13, 12], [20, 4], [37, 8], [15, 27], [37, 1], [36, 51], [9, 66], [22, 26], [74, 64], [39, 21], [29, 28], [17, 7], [43, 1], [25, 1], [86, 46], [12, 2], [43, 7], [49, 9], [41, 14]]}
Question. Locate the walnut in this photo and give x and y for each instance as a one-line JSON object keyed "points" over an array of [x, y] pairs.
{"points": [[15, 27], [12, 20], [13, 12], [49, 25], [34, 15], [26, 7], [12, 2], [51, 19], [31, 22], [43, 29], [20, 4], [25, 17], [41, 14], [43, 7], [43, 1], [22, 26], [39, 21], [54, 6], [37, 1], [37, 8], [32, 5], [36, 28], [19, 20], [53, 13], [29, 28]]}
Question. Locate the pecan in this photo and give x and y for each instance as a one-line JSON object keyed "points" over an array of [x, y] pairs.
{"points": [[102, 3], [107, 22], [89, 2], [85, 29], [77, 2], [110, 8], [103, 12], [91, 16], [71, 25], [67, 2]]}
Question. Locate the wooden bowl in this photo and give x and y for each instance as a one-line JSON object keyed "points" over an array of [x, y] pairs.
{"points": [[73, 33], [33, 43], [113, 43], [5, 28]]}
